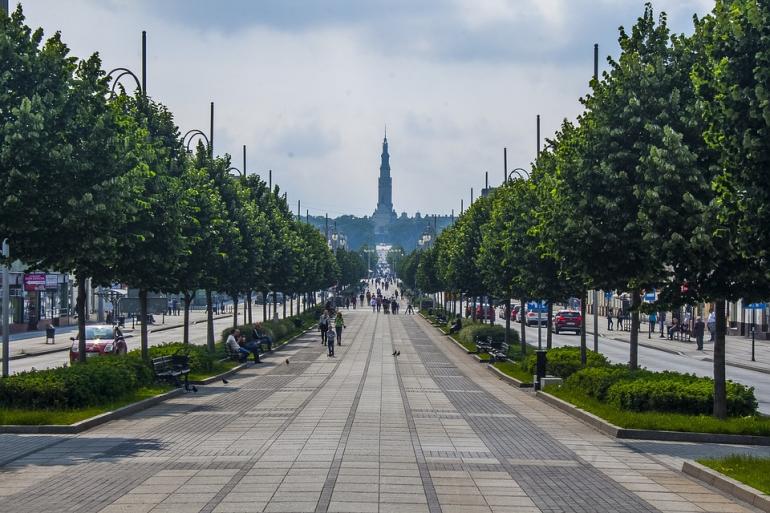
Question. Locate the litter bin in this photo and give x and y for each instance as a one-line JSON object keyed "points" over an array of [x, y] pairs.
{"points": [[50, 333], [540, 366], [121, 321]]}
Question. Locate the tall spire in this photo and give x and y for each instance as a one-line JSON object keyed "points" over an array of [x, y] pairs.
{"points": [[386, 132]]}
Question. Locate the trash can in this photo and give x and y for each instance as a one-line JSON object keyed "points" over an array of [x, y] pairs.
{"points": [[50, 333], [541, 363], [121, 321]]}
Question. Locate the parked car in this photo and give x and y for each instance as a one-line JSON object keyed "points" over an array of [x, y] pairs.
{"points": [[533, 317], [100, 340], [514, 312], [485, 312], [567, 320]]}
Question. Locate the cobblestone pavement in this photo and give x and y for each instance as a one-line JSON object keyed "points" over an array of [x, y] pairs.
{"points": [[427, 431]]}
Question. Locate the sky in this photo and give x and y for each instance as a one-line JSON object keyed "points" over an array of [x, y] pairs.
{"points": [[308, 86]]}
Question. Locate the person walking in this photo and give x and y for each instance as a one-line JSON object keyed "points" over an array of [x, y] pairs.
{"points": [[323, 325], [330, 343], [609, 318], [711, 324], [373, 302], [652, 320], [662, 322], [698, 330], [339, 324], [620, 325]]}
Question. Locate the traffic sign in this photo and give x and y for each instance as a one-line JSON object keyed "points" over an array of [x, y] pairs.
{"points": [[756, 306], [608, 295], [650, 296]]}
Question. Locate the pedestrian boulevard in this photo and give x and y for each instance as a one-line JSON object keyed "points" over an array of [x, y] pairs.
{"points": [[427, 431]]}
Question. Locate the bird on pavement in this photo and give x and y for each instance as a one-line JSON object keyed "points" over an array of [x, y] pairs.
{"points": [[225, 381], [195, 389], [394, 353], [398, 353], [287, 361]]}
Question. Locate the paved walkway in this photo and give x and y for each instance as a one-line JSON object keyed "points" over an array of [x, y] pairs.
{"points": [[427, 431]]}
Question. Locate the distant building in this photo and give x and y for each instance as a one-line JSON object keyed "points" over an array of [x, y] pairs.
{"points": [[384, 214]]}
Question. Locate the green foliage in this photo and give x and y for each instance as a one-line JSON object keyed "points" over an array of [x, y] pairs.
{"points": [[679, 393], [565, 361], [91, 383], [595, 381], [471, 332]]}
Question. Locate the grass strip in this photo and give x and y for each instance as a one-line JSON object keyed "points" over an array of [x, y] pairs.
{"points": [[20, 416], [749, 470], [514, 370], [757, 426], [217, 368]]}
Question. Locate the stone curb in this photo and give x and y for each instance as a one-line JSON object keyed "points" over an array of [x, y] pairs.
{"points": [[238, 368], [85, 424], [727, 485], [649, 434], [509, 379]]}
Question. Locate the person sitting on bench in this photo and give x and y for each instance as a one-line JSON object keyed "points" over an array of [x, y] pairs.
{"points": [[235, 348], [259, 336], [674, 329], [456, 326]]}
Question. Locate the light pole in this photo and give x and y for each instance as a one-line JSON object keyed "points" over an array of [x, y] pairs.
{"points": [[6, 308]]}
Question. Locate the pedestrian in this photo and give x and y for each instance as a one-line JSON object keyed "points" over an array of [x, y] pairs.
{"points": [[697, 330], [652, 320], [347, 303], [361, 298], [169, 308], [330, 343], [662, 322], [175, 306], [339, 323], [373, 302], [620, 319], [323, 325], [711, 324], [609, 318]]}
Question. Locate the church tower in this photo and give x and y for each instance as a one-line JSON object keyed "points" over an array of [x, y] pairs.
{"points": [[384, 213]]}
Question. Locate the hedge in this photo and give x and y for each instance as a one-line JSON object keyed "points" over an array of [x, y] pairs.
{"points": [[470, 332], [565, 361], [282, 328], [97, 381], [200, 359], [644, 390]]}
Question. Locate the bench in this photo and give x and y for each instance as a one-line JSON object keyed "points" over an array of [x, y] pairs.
{"points": [[172, 368], [484, 345], [501, 355], [234, 355]]}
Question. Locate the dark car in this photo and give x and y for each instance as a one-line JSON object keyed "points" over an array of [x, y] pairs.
{"points": [[100, 340], [567, 320]]}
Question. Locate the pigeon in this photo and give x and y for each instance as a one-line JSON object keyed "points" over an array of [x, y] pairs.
{"points": [[225, 381], [195, 389], [398, 353], [287, 361], [394, 353]]}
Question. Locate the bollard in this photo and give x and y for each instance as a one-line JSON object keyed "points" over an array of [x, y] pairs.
{"points": [[541, 363]]}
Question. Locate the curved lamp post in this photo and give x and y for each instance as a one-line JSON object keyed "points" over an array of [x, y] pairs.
{"points": [[517, 173], [191, 135]]}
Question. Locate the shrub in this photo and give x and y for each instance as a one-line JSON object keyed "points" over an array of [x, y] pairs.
{"points": [[470, 332], [595, 381], [679, 393], [281, 328], [94, 382], [565, 361], [200, 360]]}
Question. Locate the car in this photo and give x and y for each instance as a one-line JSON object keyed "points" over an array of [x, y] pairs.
{"points": [[101, 339], [567, 320], [533, 317], [514, 312], [485, 312]]}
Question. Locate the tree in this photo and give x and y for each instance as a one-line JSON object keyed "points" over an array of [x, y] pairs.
{"points": [[153, 242], [57, 129]]}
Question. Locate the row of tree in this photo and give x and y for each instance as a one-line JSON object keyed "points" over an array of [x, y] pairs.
{"points": [[661, 183], [101, 185]]}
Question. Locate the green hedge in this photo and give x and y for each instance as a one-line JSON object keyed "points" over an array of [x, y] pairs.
{"points": [[200, 360], [565, 361], [97, 381], [472, 331], [644, 390], [281, 329]]}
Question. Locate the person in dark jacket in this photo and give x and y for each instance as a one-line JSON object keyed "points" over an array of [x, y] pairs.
{"points": [[698, 329]]}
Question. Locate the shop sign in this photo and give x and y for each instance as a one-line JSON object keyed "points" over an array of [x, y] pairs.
{"points": [[34, 281]]}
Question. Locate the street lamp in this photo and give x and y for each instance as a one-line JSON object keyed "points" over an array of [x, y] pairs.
{"points": [[118, 73]]}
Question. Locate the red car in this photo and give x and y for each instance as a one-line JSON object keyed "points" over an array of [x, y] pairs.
{"points": [[567, 320], [100, 340]]}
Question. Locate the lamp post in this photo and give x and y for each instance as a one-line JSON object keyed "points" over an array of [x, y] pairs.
{"points": [[517, 173], [6, 309]]}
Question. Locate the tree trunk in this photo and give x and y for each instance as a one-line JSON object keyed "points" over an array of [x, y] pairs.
{"points": [[284, 305], [80, 307], [209, 322], [523, 325], [186, 329], [143, 331], [473, 309], [264, 306], [235, 310], [549, 332], [275, 305], [507, 319], [636, 301], [248, 298], [720, 387], [583, 356]]}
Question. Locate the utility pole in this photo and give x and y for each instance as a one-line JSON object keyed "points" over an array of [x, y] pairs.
{"points": [[244, 161], [596, 292], [4, 7], [6, 301], [270, 180], [299, 211], [505, 165], [211, 132]]}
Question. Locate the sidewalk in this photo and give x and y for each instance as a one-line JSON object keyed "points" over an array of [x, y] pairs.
{"points": [[33, 343], [737, 349]]}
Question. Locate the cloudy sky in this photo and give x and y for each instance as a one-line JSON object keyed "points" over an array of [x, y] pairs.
{"points": [[308, 86]]}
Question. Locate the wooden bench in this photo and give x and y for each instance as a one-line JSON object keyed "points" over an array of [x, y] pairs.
{"points": [[172, 368], [501, 355], [234, 355]]}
